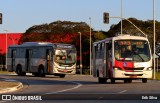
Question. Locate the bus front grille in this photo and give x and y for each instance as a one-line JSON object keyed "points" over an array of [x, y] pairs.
{"points": [[64, 70], [141, 68], [133, 74]]}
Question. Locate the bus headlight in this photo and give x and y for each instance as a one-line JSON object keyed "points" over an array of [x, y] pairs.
{"points": [[149, 68], [117, 68], [74, 67]]}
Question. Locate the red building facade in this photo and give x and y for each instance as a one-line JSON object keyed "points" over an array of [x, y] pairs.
{"points": [[12, 39]]}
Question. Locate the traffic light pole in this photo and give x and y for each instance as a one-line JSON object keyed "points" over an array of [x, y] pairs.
{"points": [[132, 24], [154, 33]]}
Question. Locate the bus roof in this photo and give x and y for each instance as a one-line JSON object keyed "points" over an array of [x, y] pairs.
{"points": [[47, 44], [28, 44], [130, 37], [122, 37]]}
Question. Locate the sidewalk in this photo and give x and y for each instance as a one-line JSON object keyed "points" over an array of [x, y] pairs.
{"points": [[7, 86]]}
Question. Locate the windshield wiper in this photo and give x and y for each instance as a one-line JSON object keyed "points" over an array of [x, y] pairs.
{"points": [[139, 56], [62, 52]]}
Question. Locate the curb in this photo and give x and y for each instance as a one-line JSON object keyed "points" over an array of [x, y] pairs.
{"points": [[11, 89]]}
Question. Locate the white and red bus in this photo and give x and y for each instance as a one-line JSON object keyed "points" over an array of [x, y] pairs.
{"points": [[122, 57], [40, 58]]}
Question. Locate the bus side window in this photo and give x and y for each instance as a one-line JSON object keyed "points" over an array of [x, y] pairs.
{"points": [[110, 50], [9, 53], [96, 51], [109, 46], [13, 53]]}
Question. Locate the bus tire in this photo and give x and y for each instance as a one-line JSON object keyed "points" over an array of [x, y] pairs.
{"points": [[102, 80], [19, 71], [62, 75], [23, 74], [112, 80], [127, 80], [41, 72], [35, 74], [144, 80], [97, 73]]}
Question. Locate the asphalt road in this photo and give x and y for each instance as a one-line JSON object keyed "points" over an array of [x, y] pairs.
{"points": [[77, 87]]}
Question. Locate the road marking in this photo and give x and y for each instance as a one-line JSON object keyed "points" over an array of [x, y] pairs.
{"points": [[29, 74], [122, 91], [3, 101], [76, 87]]}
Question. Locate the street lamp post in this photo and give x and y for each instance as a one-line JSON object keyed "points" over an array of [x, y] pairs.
{"points": [[121, 18], [6, 45], [154, 10], [90, 48], [80, 52]]}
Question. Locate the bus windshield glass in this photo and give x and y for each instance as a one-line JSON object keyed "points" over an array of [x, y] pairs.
{"points": [[132, 50], [65, 56]]}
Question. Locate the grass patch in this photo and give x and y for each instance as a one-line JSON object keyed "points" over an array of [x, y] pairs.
{"points": [[157, 75], [6, 72]]}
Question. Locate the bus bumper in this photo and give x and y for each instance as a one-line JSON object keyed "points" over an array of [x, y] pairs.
{"points": [[134, 74], [64, 70]]}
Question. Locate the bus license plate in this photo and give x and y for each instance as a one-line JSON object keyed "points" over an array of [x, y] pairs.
{"points": [[133, 76], [65, 70]]}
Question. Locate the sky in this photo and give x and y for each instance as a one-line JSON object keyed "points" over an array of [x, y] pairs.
{"points": [[19, 15]]}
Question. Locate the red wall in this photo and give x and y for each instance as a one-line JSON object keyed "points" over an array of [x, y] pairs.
{"points": [[12, 39]]}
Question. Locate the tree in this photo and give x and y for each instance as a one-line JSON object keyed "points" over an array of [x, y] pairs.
{"points": [[61, 32], [145, 26], [99, 36], [67, 32]]}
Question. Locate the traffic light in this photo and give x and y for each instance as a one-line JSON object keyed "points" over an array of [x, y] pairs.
{"points": [[106, 18], [0, 18]]}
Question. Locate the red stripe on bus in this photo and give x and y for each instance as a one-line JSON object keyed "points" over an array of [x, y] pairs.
{"points": [[123, 64]]}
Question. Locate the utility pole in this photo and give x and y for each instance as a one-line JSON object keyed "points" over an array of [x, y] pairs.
{"points": [[90, 48], [154, 32], [121, 19], [80, 52], [6, 45]]}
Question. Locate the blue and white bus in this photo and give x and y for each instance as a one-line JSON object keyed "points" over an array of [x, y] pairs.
{"points": [[40, 58]]}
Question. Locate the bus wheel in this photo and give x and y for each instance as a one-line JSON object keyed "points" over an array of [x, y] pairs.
{"points": [[102, 80], [127, 80], [19, 71], [41, 72], [62, 75], [23, 73], [112, 80], [35, 74], [144, 80]]}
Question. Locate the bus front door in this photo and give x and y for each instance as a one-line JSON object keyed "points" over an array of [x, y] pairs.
{"points": [[13, 56], [49, 60], [108, 57], [28, 59]]}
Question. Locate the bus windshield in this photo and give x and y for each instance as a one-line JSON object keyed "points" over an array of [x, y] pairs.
{"points": [[65, 56], [132, 50]]}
